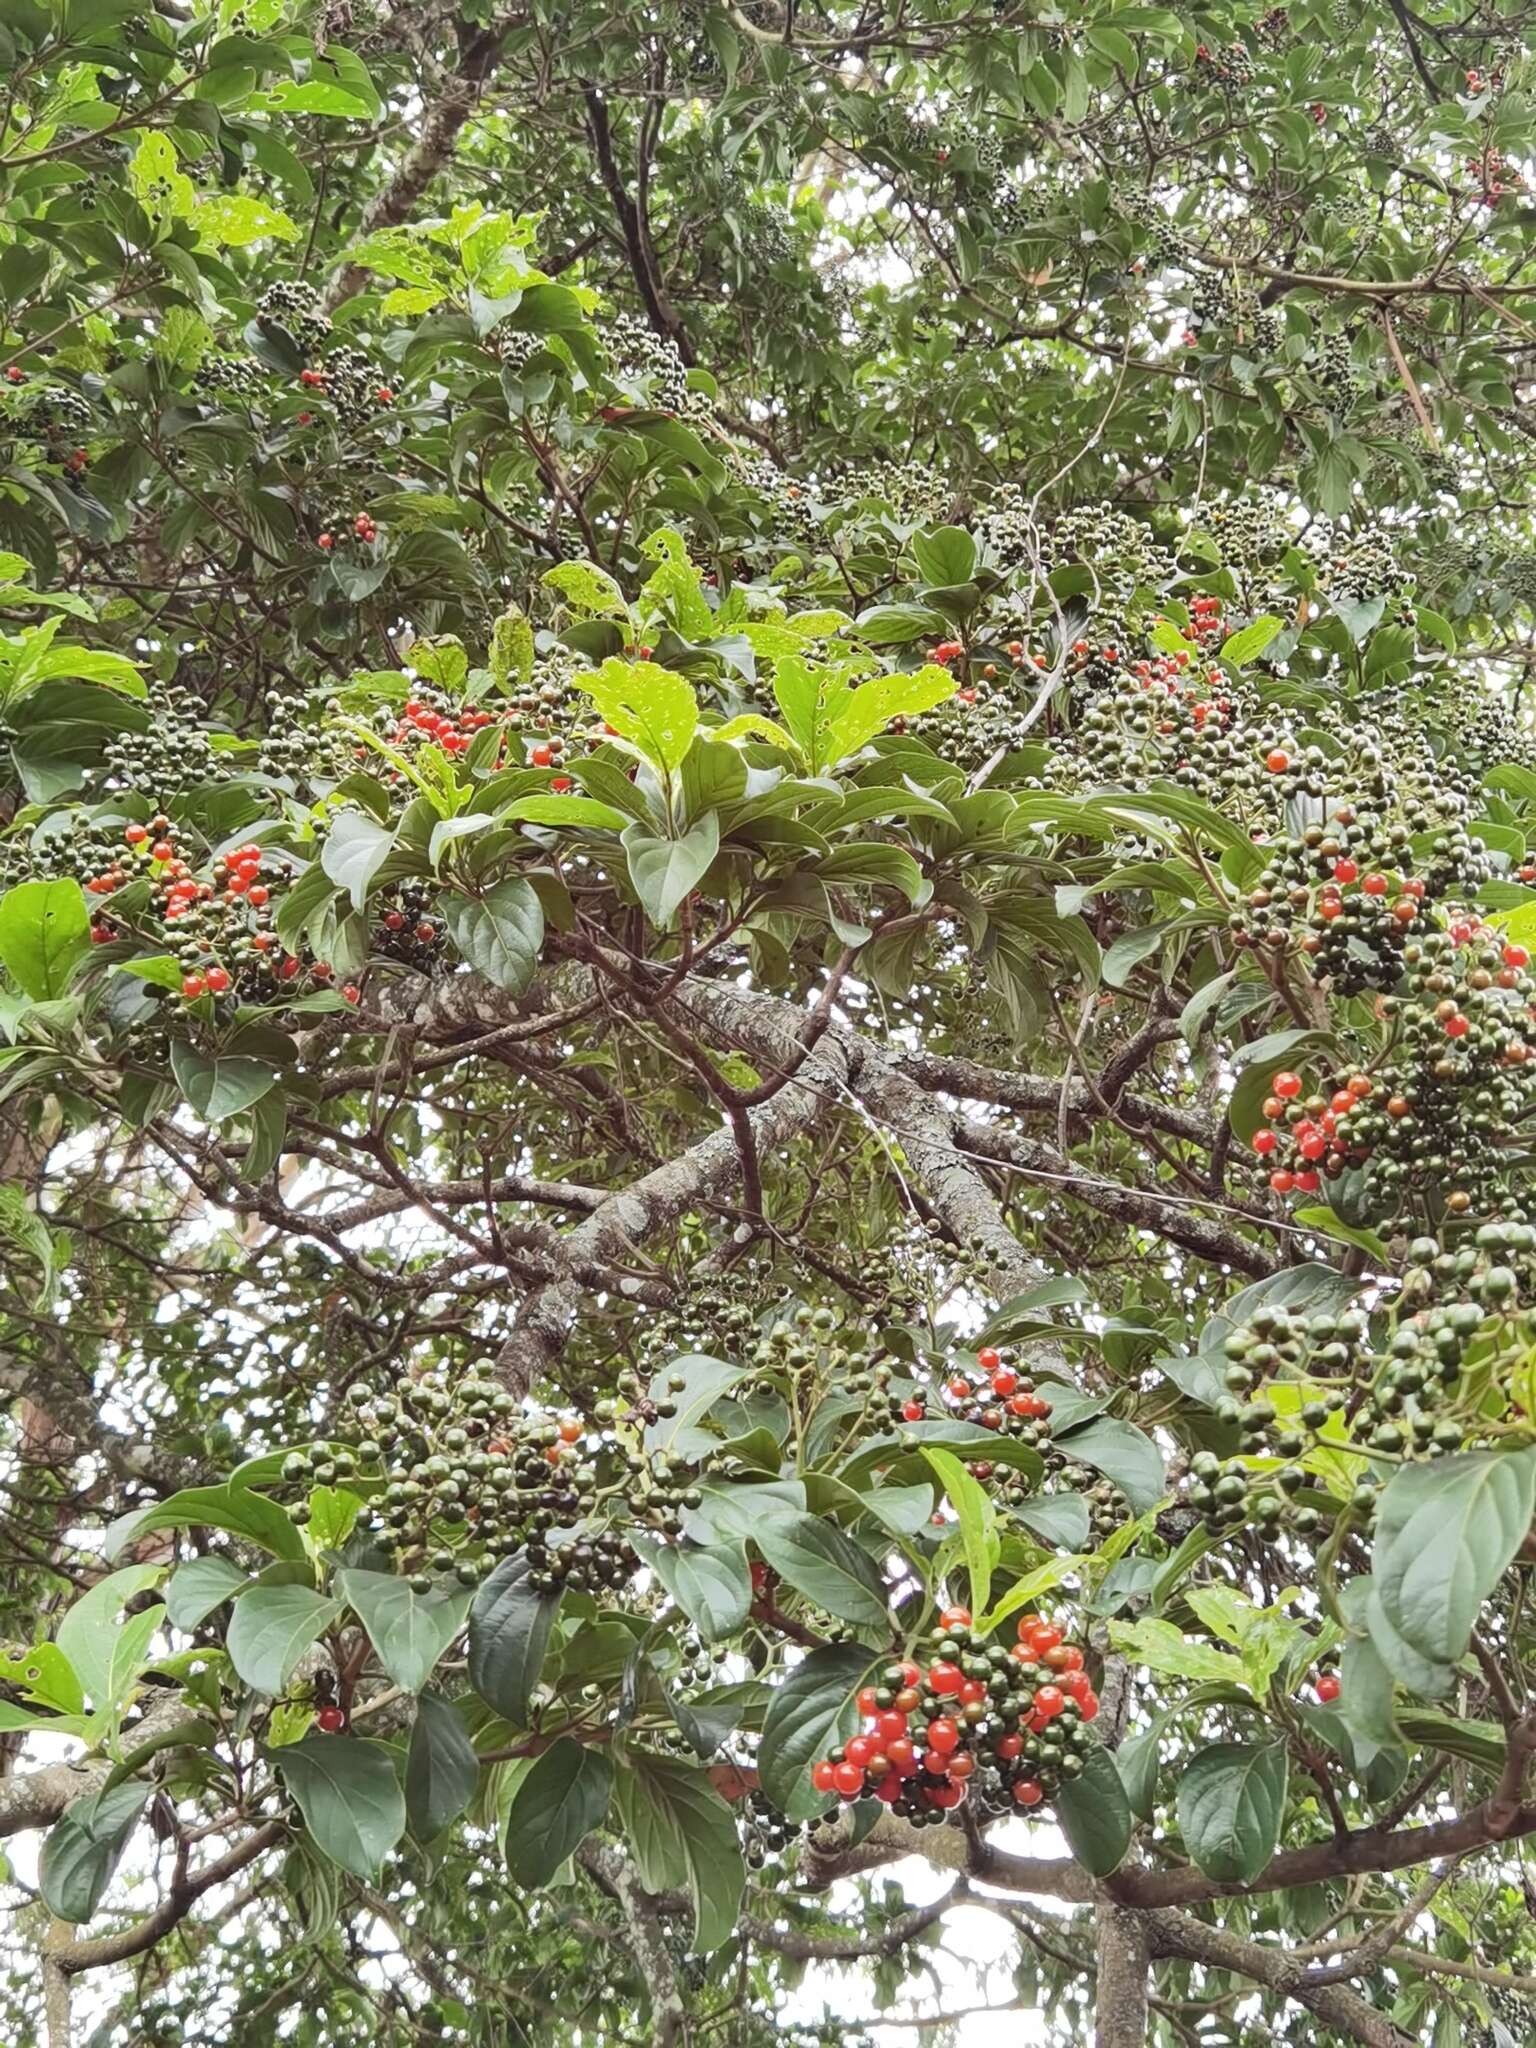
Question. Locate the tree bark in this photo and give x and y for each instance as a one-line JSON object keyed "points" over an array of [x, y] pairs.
{"points": [[1124, 1962]]}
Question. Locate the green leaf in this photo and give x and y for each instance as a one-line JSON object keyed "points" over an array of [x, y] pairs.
{"points": [[1057, 1519], [219, 1088], [855, 717], [664, 871], [586, 588], [1094, 1814], [946, 556], [809, 1715], [1122, 1453], [33, 1240], [1028, 1587], [1445, 1532], [652, 707], [84, 1848], [1230, 1804], [555, 1807], [441, 1768], [705, 1381], [971, 1502], [355, 848], [829, 1568], [1137, 1762], [509, 1627], [409, 1630], [1323, 1220], [1249, 642], [893, 625], [500, 933], [567, 810], [44, 929], [271, 1628], [682, 1834], [711, 1584], [199, 1586], [511, 655], [349, 1796], [91, 1631], [1162, 1647], [231, 1507]]}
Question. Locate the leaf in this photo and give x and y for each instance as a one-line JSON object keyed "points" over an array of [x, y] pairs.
{"points": [[810, 1715], [868, 710], [219, 1088], [199, 1586], [409, 1630], [1057, 1519], [1137, 1762], [271, 1628], [509, 1625], [946, 556], [231, 1507], [44, 929], [1249, 642], [567, 810], [349, 1796], [587, 588], [1127, 953], [829, 1568], [705, 1381], [893, 625], [682, 1834], [89, 1634], [1230, 1804], [664, 871], [1122, 1453], [355, 848], [712, 1584], [84, 1848], [441, 1768], [1323, 1220], [1162, 1647], [653, 707], [1445, 1532], [34, 1241], [1029, 1587], [499, 934], [972, 1504], [555, 1807], [1094, 1814]]}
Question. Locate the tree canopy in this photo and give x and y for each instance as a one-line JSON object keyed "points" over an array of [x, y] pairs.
{"points": [[767, 893]]}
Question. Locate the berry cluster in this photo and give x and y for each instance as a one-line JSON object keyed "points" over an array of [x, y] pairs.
{"points": [[997, 1396], [1016, 1715]]}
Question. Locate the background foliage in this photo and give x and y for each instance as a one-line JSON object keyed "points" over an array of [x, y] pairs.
{"points": [[765, 872]]}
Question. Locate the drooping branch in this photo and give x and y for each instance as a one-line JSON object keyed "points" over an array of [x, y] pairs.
{"points": [[1180, 1935]]}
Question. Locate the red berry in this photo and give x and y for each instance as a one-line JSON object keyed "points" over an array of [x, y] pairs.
{"points": [[848, 1779], [943, 1735], [1277, 761], [858, 1749], [912, 1411], [1287, 1086], [258, 895], [1028, 1792], [1345, 870], [351, 993], [945, 1679], [988, 1360], [1005, 1381], [902, 1756], [959, 1390], [1375, 885], [955, 1617], [1516, 956], [1089, 1703], [1045, 1635], [135, 834], [1457, 1026], [1009, 1746], [890, 1727], [542, 756], [1328, 1688], [1264, 1142], [384, 395], [1050, 1700], [192, 987], [324, 540], [217, 979], [824, 1776], [330, 1720]]}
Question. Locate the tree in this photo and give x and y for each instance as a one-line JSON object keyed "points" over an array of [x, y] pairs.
{"points": [[766, 932]]}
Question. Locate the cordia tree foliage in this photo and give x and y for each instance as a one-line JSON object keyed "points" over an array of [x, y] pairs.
{"points": [[767, 1021]]}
